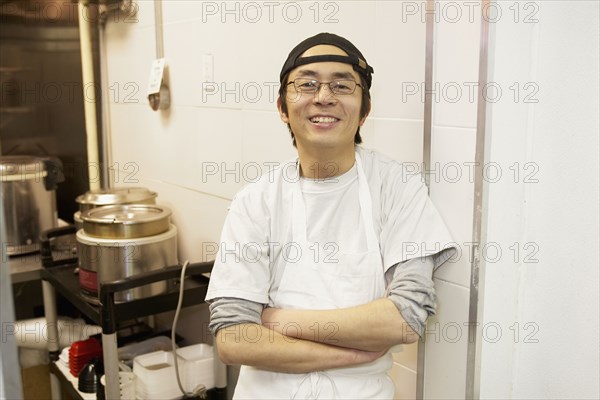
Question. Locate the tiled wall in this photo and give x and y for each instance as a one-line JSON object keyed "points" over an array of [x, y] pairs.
{"points": [[456, 60], [206, 146]]}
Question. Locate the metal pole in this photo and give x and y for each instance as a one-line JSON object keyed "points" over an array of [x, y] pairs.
{"points": [[427, 125], [477, 263], [49, 296]]}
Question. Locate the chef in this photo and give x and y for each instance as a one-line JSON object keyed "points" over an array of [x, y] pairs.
{"points": [[325, 264]]}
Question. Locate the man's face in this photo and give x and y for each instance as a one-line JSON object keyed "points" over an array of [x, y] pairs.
{"points": [[323, 120]]}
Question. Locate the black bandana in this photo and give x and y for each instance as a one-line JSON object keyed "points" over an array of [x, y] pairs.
{"points": [[354, 57]]}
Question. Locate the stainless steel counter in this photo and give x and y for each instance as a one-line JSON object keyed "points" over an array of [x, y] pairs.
{"points": [[27, 267]]}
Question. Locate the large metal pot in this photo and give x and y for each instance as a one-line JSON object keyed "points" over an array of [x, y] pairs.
{"points": [[106, 197], [29, 200], [122, 241]]}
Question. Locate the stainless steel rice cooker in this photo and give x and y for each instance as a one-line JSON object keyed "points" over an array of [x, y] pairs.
{"points": [[105, 197], [29, 199], [120, 241]]}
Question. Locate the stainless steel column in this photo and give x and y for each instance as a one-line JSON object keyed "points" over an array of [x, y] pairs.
{"points": [[477, 263], [427, 126]]}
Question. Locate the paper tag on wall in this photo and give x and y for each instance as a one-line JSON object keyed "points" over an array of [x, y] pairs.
{"points": [[156, 76]]}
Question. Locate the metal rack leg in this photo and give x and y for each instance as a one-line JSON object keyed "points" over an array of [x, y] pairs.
{"points": [[111, 365], [55, 392], [52, 332]]}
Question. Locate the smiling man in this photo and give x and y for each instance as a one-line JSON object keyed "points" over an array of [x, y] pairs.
{"points": [[314, 284]]}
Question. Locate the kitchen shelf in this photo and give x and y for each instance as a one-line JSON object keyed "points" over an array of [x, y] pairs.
{"points": [[65, 280], [69, 383], [62, 277]]}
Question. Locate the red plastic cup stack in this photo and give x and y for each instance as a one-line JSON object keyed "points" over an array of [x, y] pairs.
{"points": [[82, 352]]}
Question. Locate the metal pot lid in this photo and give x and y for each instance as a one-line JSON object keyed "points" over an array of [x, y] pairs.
{"points": [[125, 195], [126, 220], [21, 165]]}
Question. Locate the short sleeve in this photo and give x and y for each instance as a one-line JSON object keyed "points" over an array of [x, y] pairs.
{"points": [[241, 268], [412, 226]]}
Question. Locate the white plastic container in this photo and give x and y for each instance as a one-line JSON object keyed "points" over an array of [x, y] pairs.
{"points": [[129, 352], [155, 376], [196, 366], [155, 372]]}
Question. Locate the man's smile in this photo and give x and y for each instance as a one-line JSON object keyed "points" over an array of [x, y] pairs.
{"points": [[323, 119]]}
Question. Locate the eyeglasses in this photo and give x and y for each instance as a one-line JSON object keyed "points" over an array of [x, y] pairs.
{"points": [[341, 86]]}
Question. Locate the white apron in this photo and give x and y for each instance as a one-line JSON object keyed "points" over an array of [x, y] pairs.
{"points": [[355, 278]]}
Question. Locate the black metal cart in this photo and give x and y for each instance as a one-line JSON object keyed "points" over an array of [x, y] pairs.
{"points": [[61, 276]]}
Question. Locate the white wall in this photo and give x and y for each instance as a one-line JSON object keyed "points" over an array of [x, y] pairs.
{"points": [[456, 59], [541, 303]]}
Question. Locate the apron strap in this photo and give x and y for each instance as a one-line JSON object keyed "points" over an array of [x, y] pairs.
{"points": [[299, 214], [364, 198], [366, 206]]}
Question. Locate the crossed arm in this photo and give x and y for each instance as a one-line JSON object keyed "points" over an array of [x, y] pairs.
{"points": [[297, 341], [375, 326], [349, 336], [270, 350]]}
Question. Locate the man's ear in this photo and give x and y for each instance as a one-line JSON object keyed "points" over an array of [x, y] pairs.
{"points": [[362, 120], [282, 115]]}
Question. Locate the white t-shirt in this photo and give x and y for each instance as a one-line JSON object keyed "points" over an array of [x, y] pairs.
{"points": [[256, 240]]}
